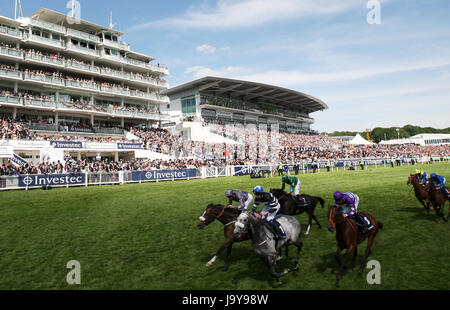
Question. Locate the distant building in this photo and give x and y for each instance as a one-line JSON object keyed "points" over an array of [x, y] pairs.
{"points": [[421, 139]]}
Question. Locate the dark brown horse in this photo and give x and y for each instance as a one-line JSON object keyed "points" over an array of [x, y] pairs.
{"points": [[227, 216], [289, 205], [420, 191], [348, 237], [438, 200]]}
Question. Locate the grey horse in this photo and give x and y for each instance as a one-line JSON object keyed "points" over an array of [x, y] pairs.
{"points": [[263, 242]]}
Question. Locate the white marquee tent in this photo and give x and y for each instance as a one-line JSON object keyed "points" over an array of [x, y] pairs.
{"points": [[358, 140]]}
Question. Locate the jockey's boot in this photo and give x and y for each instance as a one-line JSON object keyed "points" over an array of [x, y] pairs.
{"points": [[278, 230], [446, 193]]}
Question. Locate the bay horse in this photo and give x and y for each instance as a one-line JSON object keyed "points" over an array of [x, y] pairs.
{"points": [[227, 216], [289, 205], [438, 200], [420, 191], [348, 237], [264, 243]]}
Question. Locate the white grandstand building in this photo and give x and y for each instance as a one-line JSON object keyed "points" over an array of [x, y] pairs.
{"points": [[197, 106], [54, 72]]}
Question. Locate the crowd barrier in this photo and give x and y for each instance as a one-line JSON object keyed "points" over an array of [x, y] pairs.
{"points": [[123, 177]]}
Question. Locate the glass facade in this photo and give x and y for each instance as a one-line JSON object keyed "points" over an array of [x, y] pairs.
{"points": [[188, 106]]}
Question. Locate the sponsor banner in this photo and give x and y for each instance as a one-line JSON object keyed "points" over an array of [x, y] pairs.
{"points": [[171, 124], [17, 160], [66, 145], [28, 144], [154, 175], [100, 146], [76, 129], [129, 146], [51, 179], [245, 170]]}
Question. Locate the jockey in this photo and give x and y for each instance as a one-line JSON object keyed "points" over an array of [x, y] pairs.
{"points": [[439, 182], [422, 176], [270, 210], [349, 202], [294, 184], [244, 199]]}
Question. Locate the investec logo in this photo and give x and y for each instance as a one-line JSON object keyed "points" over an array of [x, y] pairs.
{"points": [[38, 180], [74, 145], [161, 175]]}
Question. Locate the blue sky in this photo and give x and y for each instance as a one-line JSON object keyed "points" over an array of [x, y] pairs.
{"points": [[389, 74]]}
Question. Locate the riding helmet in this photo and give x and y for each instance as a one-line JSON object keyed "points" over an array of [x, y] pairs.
{"points": [[338, 195], [258, 189]]}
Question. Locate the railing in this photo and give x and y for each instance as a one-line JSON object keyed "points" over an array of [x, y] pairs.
{"points": [[10, 32], [36, 38], [11, 52], [49, 26], [10, 100], [81, 66], [82, 35], [43, 78], [11, 73], [119, 45], [84, 50], [44, 58]]}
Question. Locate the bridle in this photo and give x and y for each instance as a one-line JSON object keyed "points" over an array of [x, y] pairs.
{"points": [[203, 219]]}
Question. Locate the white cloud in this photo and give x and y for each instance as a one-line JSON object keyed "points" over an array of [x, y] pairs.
{"points": [[248, 13], [206, 48], [201, 71]]}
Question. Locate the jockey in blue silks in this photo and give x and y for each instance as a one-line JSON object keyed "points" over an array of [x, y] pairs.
{"points": [[439, 182]]}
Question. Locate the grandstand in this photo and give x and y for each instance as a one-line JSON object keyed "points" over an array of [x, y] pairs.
{"points": [[76, 82], [220, 101]]}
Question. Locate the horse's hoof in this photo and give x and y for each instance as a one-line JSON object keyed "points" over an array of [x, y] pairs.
{"points": [[296, 268], [209, 264], [279, 258]]}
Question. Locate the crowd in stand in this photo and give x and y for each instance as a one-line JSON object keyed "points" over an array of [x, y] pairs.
{"points": [[255, 148]]}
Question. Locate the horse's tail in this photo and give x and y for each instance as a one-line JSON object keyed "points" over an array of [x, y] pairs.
{"points": [[380, 225], [322, 202]]}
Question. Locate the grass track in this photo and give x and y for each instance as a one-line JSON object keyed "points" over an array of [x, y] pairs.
{"points": [[144, 236]]}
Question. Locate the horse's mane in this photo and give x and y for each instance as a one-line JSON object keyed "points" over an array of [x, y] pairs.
{"points": [[219, 207]]}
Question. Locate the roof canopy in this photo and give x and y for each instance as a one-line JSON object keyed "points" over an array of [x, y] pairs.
{"points": [[53, 17], [252, 92]]}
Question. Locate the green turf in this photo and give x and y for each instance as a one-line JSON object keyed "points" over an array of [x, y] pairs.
{"points": [[144, 236]]}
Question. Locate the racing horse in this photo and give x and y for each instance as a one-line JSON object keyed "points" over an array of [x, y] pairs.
{"points": [[227, 216], [264, 243], [420, 191], [289, 205], [437, 199], [348, 237]]}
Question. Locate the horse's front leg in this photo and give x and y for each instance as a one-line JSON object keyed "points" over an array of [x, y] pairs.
{"points": [[309, 224], [344, 257], [227, 243]]}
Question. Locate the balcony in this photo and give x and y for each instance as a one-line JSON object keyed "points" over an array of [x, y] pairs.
{"points": [[10, 100], [83, 50], [48, 104], [43, 59], [48, 26], [117, 45], [11, 74], [82, 85], [42, 78], [82, 67], [10, 32], [82, 35], [59, 44], [11, 53]]}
